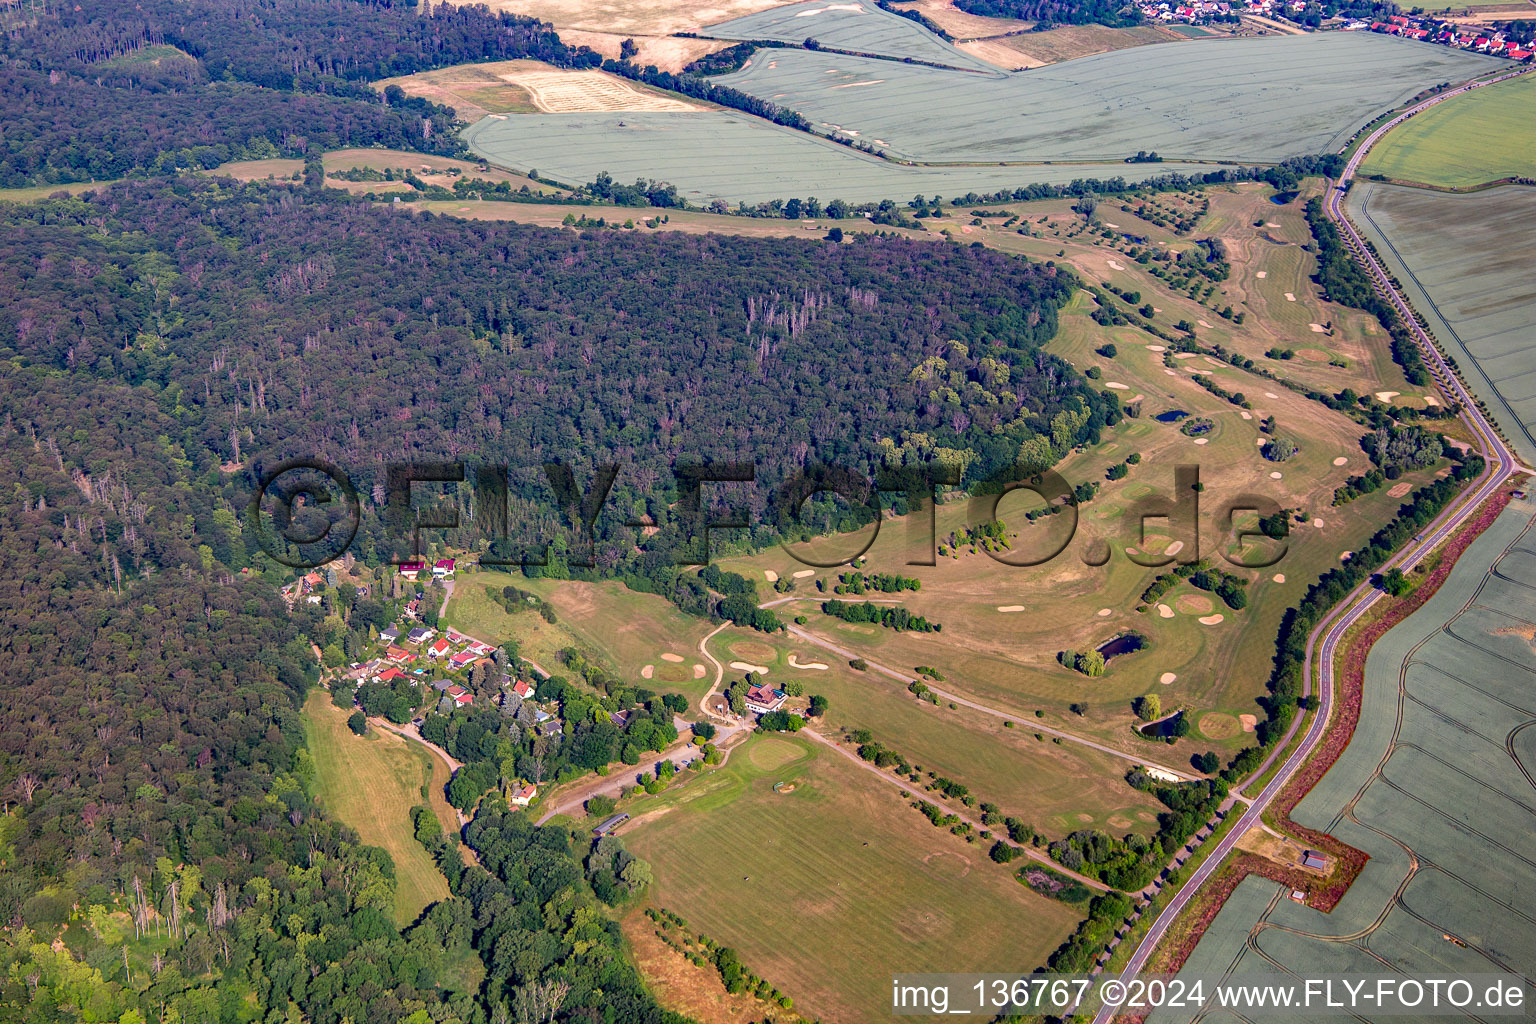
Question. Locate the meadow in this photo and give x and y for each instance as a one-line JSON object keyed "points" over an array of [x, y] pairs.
{"points": [[725, 155], [1464, 261], [824, 887], [370, 783], [1112, 105], [856, 25], [1484, 135]]}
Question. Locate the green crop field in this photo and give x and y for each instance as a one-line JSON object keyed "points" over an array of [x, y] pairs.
{"points": [[824, 889], [1109, 106], [1484, 135], [370, 783], [1465, 261], [718, 154], [858, 25], [1435, 786]]}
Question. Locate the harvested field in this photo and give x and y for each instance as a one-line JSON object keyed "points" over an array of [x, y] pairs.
{"points": [[632, 17], [574, 92], [958, 23], [1465, 262], [1484, 135], [1069, 42], [1150, 97], [669, 53]]}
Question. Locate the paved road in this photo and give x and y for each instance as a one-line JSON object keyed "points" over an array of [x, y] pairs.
{"points": [[1322, 645]]}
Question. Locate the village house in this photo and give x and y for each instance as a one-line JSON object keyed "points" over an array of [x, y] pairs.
{"points": [[522, 796], [439, 648], [460, 696], [522, 689], [463, 659], [398, 655], [442, 568], [420, 634], [389, 634], [410, 570]]}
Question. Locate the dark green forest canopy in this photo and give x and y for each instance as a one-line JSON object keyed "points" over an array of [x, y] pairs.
{"points": [[274, 323]]}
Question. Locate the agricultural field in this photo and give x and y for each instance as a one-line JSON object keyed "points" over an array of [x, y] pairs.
{"points": [[856, 25], [1484, 135], [632, 17], [436, 170], [1069, 42], [1465, 262], [370, 783], [958, 23], [732, 157], [527, 86], [689, 221], [786, 876], [1110, 106], [669, 53], [1435, 781]]}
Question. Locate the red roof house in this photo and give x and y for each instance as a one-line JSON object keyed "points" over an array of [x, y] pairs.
{"points": [[522, 689], [399, 655], [439, 647]]}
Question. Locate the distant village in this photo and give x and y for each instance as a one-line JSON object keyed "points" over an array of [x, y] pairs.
{"points": [[1490, 39]]}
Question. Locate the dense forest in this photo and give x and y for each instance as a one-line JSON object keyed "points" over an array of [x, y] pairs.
{"points": [[165, 341]]}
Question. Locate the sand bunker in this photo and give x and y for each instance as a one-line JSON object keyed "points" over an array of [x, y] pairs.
{"points": [[1212, 620], [1344, 555], [647, 671], [1104, 612], [1341, 461], [1279, 577], [1431, 400], [1184, 355], [698, 671], [1262, 274], [1317, 523], [1289, 297], [1156, 348], [1318, 328], [1270, 394], [803, 573], [1115, 385], [1248, 722], [1387, 396], [1170, 373], [1259, 441], [1166, 678], [742, 666], [1202, 323], [770, 576], [675, 659], [1164, 611], [1010, 607], [1202, 440], [1172, 549], [1276, 475], [1246, 414], [1113, 265], [819, 666]]}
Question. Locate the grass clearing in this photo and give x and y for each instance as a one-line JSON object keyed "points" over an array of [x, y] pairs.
{"points": [[1484, 135], [788, 879], [370, 783]]}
